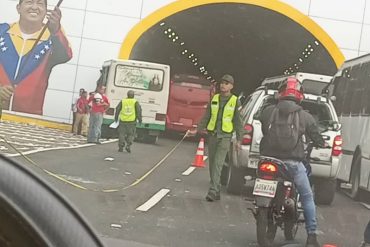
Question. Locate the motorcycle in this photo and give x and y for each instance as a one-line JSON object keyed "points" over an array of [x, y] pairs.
{"points": [[276, 202]]}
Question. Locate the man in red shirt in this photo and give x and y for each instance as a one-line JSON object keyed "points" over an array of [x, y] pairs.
{"points": [[99, 104], [82, 112]]}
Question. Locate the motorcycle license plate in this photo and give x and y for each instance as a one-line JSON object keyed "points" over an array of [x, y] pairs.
{"points": [[266, 188]]}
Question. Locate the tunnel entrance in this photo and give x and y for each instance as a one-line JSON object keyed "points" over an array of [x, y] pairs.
{"points": [[250, 40]]}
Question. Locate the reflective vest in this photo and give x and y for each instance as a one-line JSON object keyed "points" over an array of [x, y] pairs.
{"points": [[227, 114], [128, 111]]}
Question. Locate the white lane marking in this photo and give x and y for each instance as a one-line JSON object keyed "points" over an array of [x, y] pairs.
{"points": [[365, 205], [153, 200], [188, 171], [192, 168]]}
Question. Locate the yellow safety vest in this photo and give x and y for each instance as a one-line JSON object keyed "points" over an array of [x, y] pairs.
{"points": [[128, 111], [227, 115]]}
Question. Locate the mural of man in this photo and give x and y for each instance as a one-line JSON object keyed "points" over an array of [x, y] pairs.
{"points": [[27, 71]]}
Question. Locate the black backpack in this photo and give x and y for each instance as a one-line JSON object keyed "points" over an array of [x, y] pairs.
{"points": [[283, 130]]}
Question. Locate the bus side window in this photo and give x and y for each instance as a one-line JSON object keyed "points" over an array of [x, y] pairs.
{"points": [[366, 90], [348, 92], [357, 89], [340, 84]]}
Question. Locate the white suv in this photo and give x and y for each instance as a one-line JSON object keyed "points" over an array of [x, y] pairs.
{"points": [[324, 162]]}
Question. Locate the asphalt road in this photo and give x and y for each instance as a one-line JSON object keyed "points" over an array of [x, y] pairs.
{"points": [[182, 217]]}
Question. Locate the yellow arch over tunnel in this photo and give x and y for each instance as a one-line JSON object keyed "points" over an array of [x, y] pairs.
{"points": [[134, 35]]}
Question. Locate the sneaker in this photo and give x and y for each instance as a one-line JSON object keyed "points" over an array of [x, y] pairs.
{"points": [[120, 149], [312, 241], [98, 142], [128, 149], [212, 197]]}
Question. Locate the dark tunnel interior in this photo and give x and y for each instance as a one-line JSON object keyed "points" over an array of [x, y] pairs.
{"points": [[247, 41]]}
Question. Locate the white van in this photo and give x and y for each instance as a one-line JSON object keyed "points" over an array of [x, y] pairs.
{"points": [[151, 84]]}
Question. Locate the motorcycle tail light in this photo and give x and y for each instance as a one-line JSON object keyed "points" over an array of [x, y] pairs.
{"points": [[268, 168]]}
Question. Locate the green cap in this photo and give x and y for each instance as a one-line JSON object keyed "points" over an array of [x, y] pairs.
{"points": [[130, 93], [228, 78]]}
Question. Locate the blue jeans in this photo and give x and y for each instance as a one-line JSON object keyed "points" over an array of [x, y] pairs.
{"points": [[299, 174], [96, 120]]}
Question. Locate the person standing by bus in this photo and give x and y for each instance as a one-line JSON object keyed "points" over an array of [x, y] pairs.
{"points": [[221, 119], [128, 112], [82, 112], [99, 104], [74, 110]]}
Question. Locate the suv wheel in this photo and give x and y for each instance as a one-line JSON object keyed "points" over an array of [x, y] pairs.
{"points": [[355, 179], [224, 174], [235, 180], [325, 191]]}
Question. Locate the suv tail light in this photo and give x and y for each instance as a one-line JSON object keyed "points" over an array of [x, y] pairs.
{"points": [[337, 146], [247, 138]]}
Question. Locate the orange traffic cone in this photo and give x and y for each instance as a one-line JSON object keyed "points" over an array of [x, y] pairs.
{"points": [[198, 160]]}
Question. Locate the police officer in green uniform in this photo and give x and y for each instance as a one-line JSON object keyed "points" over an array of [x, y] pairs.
{"points": [[221, 119], [128, 111]]}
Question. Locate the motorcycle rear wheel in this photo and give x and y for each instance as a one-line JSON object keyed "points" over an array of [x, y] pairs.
{"points": [[266, 229]]}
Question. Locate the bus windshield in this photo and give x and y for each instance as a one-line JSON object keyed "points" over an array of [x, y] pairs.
{"points": [[139, 78]]}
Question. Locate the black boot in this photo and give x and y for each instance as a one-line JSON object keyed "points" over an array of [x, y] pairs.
{"points": [[312, 241], [120, 149], [128, 149], [213, 197]]}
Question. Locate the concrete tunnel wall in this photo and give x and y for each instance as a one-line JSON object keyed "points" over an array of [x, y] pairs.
{"points": [[250, 39]]}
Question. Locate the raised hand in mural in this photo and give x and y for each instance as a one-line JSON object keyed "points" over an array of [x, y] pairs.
{"points": [[54, 17]]}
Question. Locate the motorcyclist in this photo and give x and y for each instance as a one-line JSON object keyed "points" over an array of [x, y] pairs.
{"points": [[290, 95]]}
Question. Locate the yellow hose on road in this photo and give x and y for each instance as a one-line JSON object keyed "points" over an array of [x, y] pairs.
{"points": [[117, 189]]}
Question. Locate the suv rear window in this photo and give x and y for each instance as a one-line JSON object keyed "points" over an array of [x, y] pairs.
{"points": [[320, 111], [248, 105]]}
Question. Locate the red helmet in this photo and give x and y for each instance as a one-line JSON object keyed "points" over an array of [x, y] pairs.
{"points": [[291, 89]]}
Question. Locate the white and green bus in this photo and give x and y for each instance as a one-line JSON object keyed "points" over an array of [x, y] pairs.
{"points": [[151, 84], [352, 90]]}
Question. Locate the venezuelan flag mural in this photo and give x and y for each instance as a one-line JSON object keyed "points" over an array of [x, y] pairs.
{"points": [[28, 54]]}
